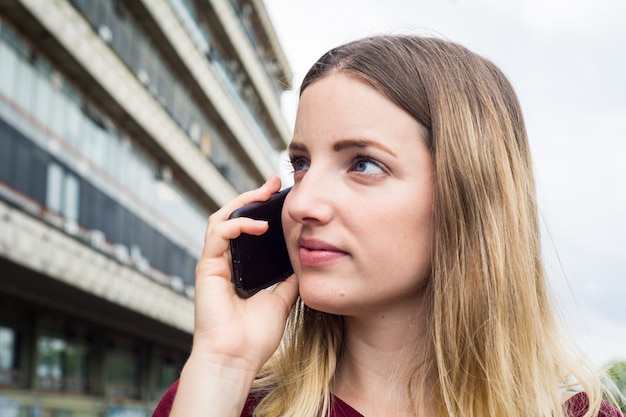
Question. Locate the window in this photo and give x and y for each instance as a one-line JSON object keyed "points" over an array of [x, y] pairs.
{"points": [[22, 168], [98, 148], [37, 189], [59, 103], [62, 193], [23, 92], [73, 125], [122, 372], [71, 197], [62, 364], [54, 192], [6, 150], [168, 371], [9, 356], [42, 92], [8, 70]]}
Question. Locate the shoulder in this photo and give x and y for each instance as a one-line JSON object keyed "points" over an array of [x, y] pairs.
{"points": [[165, 404], [251, 403], [578, 404], [339, 407]]}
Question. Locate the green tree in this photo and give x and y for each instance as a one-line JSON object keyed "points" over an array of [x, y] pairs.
{"points": [[616, 373]]}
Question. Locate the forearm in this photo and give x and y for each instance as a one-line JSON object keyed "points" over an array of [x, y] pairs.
{"points": [[213, 387]]}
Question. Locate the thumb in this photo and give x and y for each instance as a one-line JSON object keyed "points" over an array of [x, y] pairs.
{"points": [[287, 290]]}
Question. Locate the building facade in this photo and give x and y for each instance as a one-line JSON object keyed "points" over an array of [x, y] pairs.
{"points": [[123, 125]]}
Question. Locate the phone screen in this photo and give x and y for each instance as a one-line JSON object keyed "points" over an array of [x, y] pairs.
{"points": [[260, 261]]}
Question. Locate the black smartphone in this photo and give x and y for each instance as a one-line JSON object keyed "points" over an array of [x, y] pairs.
{"points": [[260, 261]]}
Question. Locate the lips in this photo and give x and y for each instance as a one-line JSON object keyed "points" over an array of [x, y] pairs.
{"points": [[314, 252]]}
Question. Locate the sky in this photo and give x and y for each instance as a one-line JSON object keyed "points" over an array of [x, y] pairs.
{"points": [[567, 62]]}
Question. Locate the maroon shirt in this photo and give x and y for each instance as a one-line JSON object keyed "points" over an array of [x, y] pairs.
{"points": [[576, 406]]}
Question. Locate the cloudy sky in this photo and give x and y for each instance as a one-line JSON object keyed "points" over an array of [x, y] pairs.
{"points": [[567, 61]]}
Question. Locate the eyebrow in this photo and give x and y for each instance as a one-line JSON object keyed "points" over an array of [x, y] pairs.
{"points": [[361, 144], [343, 144]]}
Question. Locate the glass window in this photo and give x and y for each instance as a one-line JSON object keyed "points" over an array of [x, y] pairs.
{"points": [[86, 211], [62, 364], [37, 189], [71, 195], [98, 148], [134, 59], [99, 12], [124, 223], [22, 168], [168, 371], [116, 159], [54, 192], [62, 192], [98, 211], [6, 150], [76, 372], [50, 362], [89, 130], [107, 211], [112, 154], [58, 107], [188, 268], [8, 69], [9, 358], [42, 93], [122, 372], [130, 168], [90, 8], [121, 41], [74, 124], [144, 177], [80, 4], [23, 93]]}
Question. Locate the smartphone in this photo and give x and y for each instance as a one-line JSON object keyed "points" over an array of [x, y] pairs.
{"points": [[260, 261]]}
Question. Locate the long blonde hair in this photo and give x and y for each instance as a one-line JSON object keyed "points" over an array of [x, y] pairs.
{"points": [[495, 344]]}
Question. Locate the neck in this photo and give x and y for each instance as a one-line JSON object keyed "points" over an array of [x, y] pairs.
{"points": [[379, 357]]}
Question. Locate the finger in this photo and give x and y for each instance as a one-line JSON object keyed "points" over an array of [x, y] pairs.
{"points": [[262, 193], [218, 241], [288, 291]]}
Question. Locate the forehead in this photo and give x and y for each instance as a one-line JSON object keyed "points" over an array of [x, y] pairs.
{"points": [[343, 107]]}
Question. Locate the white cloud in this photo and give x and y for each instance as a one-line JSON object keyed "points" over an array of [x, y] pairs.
{"points": [[558, 17]]}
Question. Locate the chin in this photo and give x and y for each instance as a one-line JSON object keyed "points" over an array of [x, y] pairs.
{"points": [[323, 300]]}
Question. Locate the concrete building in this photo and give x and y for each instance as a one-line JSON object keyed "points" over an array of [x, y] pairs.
{"points": [[123, 125]]}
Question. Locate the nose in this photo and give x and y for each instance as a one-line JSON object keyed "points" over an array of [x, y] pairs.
{"points": [[310, 201]]}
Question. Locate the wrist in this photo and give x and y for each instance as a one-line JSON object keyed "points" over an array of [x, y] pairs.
{"points": [[213, 385], [222, 365]]}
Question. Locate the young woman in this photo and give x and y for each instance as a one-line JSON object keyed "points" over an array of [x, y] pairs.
{"points": [[412, 229]]}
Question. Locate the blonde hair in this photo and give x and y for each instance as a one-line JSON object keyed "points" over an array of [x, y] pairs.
{"points": [[495, 346]]}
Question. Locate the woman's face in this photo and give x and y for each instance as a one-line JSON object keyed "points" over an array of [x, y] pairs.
{"points": [[359, 219]]}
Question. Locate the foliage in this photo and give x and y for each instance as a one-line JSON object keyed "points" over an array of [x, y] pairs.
{"points": [[616, 375]]}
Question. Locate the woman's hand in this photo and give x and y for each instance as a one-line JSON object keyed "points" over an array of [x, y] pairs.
{"points": [[233, 336], [226, 325]]}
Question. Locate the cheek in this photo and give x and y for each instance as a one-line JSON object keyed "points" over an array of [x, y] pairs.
{"points": [[288, 223], [291, 237], [407, 246], [408, 238], [409, 262]]}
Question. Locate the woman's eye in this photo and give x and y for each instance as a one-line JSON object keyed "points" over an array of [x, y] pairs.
{"points": [[298, 163], [367, 166]]}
